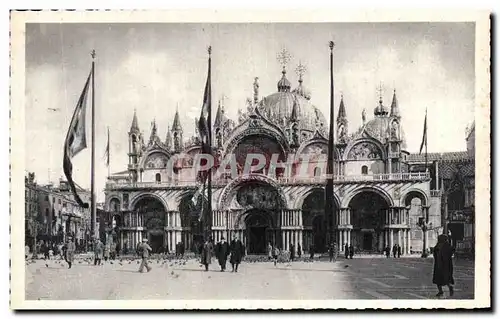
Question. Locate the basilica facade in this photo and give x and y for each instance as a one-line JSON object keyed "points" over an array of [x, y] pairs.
{"points": [[379, 199]]}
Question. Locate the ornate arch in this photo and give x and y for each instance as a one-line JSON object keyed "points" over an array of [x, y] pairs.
{"points": [[112, 197], [152, 152], [374, 189], [256, 124], [415, 193], [299, 202], [369, 141], [224, 197], [137, 198]]}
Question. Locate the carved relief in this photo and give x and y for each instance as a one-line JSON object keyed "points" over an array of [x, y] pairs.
{"points": [[218, 138], [342, 133], [294, 141], [315, 150], [258, 196], [156, 160], [363, 151]]}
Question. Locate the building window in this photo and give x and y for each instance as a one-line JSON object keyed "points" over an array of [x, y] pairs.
{"points": [[364, 169], [53, 199], [46, 198], [158, 178], [317, 171]]}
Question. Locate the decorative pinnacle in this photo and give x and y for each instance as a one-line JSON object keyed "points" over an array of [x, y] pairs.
{"points": [[209, 50], [92, 54], [380, 90], [283, 58], [300, 70], [332, 44]]}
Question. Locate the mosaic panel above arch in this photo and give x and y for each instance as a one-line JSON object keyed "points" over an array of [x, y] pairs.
{"points": [[156, 160], [365, 150]]}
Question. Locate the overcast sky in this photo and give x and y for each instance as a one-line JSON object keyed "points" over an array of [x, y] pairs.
{"points": [[155, 67]]}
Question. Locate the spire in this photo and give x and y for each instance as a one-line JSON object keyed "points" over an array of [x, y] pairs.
{"points": [[341, 116], [135, 126], [256, 90], [283, 84], [394, 106], [154, 136], [219, 117], [301, 90], [176, 126], [168, 139], [380, 108], [363, 116]]}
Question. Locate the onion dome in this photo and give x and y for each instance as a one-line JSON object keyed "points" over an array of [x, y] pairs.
{"points": [[283, 84], [301, 90], [380, 109]]}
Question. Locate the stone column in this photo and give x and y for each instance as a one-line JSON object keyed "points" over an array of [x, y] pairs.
{"points": [[408, 238], [391, 238], [399, 238]]}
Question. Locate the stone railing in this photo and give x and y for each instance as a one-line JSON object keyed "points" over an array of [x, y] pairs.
{"points": [[282, 180]]}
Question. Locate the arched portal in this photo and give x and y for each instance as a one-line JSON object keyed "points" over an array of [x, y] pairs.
{"points": [[191, 218], [368, 210], [314, 221], [263, 145], [151, 215], [258, 224]]}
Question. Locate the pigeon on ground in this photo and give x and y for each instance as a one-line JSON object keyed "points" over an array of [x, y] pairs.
{"points": [[47, 265], [346, 266]]}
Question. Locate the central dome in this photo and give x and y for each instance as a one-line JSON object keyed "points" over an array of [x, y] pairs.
{"points": [[278, 107]]}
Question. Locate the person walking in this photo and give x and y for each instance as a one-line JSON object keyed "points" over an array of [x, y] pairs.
{"points": [[98, 252], [346, 251], [276, 253], [442, 274], [69, 250], [269, 251], [387, 252], [399, 251], [311, 252], [299, 250], [292, 252], [221, 252], [144, 249], [237, 252], [206, 253], [394, 250], [351, 251], [107, 249]]}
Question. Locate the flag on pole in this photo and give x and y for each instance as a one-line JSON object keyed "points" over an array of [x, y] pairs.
{"points": [[76, 140], [205, 131], [106, 152], [424, 136]]}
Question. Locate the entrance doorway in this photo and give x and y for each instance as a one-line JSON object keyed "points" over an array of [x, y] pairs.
{"points": [[319, 232], [367, 241], [156, 242], [257, 224]]}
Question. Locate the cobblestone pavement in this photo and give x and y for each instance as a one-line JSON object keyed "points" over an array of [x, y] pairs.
{"points": [[363, 278]]}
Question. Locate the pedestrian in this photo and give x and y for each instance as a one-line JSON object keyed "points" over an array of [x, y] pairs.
{"points": [[394, 250], [351, 251], [346, 251], [182, 249], [269, 251], [330, 252], [276, 253], [299, 250], [443, 265], [144, 250], [388, 252], [221, 252], [177, 250], [399, 251], [311, 252], [69, 250], [98, 251], [206, 253], [292, 252], [26, 252], [237, 252], [107, 249]]}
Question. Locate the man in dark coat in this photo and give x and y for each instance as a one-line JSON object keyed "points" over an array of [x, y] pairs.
{"points": [[292, 252], [206, 253], [395, 250], [443, 265], [237, 252], [311, 252], [346, 251], [221, 252], [399, 251], [299, 250], [351, 251], [388, 252]]}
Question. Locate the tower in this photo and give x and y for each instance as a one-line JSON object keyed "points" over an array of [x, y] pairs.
{"points": [[177, 133], [294, 125], [342, 123], [134, 147], [395, 137], [168, 139]]}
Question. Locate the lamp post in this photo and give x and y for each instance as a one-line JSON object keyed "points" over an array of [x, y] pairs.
{"points": [[425, 225]]}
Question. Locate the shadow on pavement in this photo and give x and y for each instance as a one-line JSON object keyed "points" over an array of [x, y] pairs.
{"points": [[199, 270], [312, 270]]}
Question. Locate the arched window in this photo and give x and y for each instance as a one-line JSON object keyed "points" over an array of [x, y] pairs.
{"points": [[158, 178], [317, 172], [364, 169]]}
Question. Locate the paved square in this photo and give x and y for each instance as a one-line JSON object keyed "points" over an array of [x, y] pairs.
{"points": [[362, 278]]}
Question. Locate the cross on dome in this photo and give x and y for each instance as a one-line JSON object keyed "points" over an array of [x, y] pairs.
{"points": [[301, 70], [284, 58]]}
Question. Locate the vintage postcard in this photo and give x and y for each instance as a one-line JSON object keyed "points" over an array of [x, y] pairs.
{"points": [[250, 160]]}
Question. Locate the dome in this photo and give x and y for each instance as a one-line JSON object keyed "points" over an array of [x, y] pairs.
{"points": [[379, 129], [278, 108]]}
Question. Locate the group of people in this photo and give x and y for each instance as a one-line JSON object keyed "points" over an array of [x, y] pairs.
{"points": [[222, 250], [396, 251]]}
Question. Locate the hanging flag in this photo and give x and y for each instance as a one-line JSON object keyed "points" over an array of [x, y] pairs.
{"points": [[106, 152], [75, 140], [424, 136], [205, 131]]}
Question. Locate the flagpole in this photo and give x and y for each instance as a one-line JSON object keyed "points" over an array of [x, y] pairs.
{"points": [[426, 163], [109, 154], [330, 215], [92, 161], [209, 120]]}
